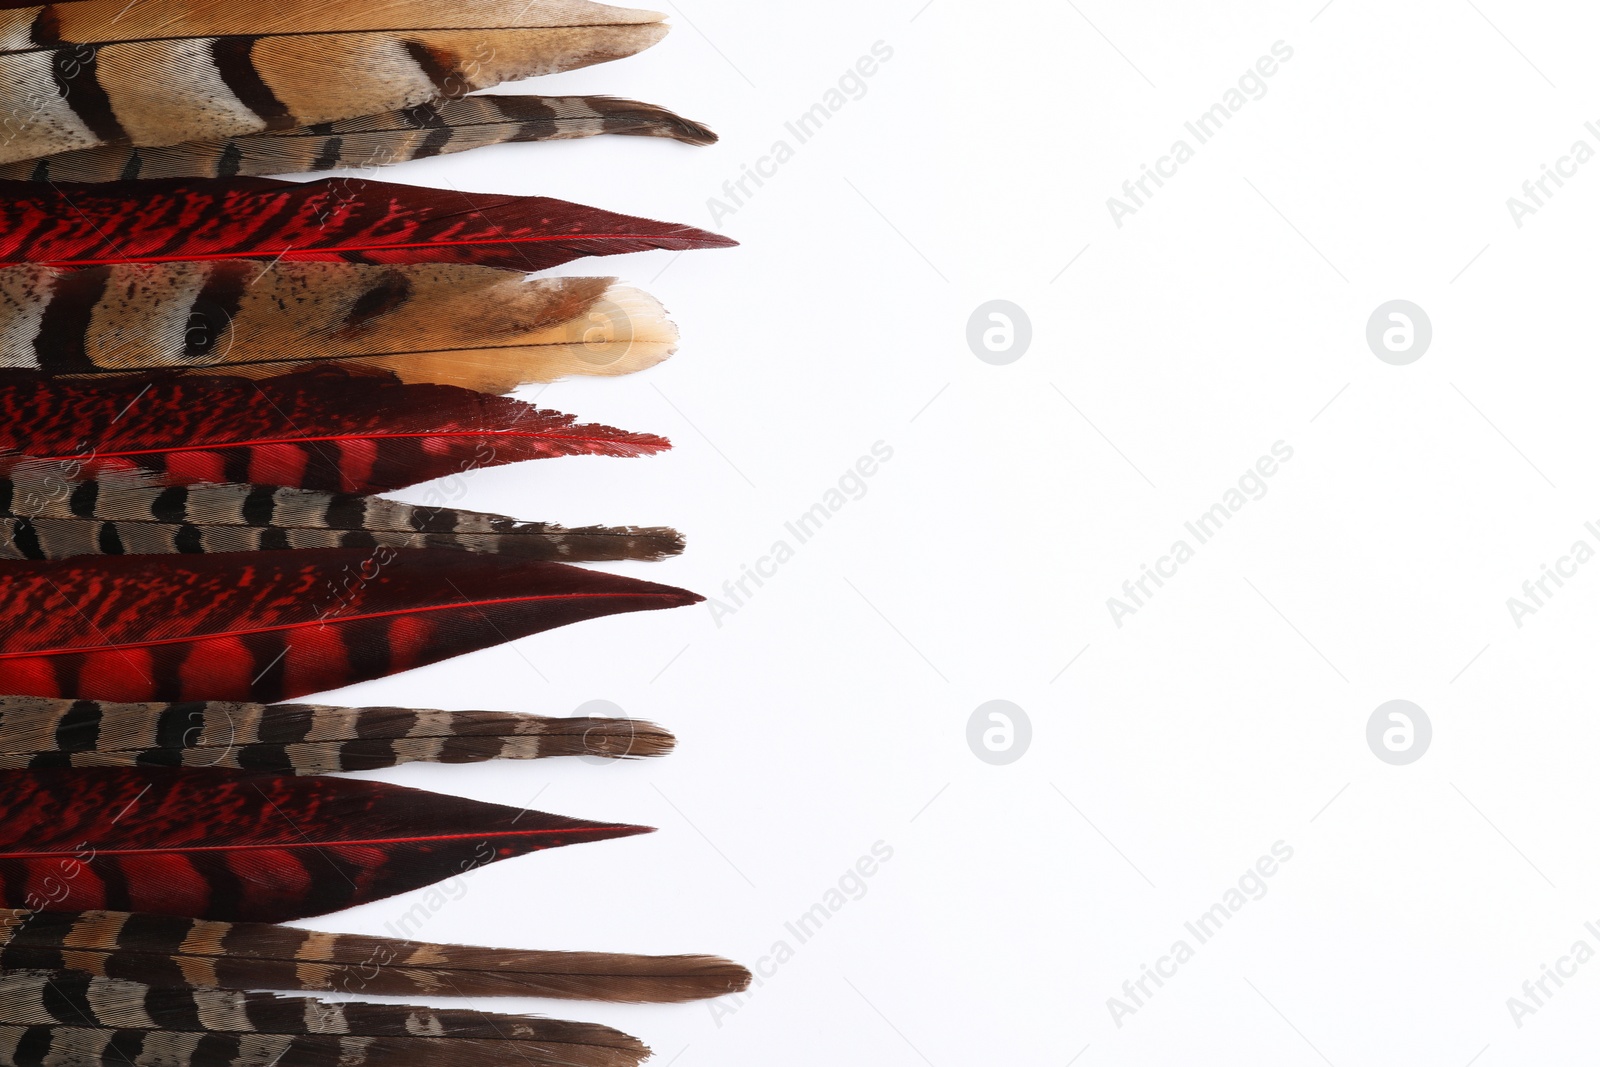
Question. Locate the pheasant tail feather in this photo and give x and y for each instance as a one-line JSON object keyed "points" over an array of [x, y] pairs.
{"points": [[162, 950], [430, 129]]}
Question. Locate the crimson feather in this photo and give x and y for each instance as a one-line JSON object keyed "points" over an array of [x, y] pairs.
{"points": [[74, 224], [214, 844], [329, 429], [274, 626]]}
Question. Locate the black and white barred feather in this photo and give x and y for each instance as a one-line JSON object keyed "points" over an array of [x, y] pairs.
{"points": [[70, 1017], [51, 510], [39, 732]]}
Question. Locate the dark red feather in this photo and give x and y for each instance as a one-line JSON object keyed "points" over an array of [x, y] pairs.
{"points": [[76, 224], [324, 429], [274, 626], [260, 848]]}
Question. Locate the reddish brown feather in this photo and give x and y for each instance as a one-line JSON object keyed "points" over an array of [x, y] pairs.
{"points": [[77, 224], [274, 626], [261, 848], [326, 429]]}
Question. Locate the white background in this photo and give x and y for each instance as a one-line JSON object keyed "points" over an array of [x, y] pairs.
{"points": [[829, 713]]}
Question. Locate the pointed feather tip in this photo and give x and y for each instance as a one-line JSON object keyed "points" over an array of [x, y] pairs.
{"points": [[581, 831], [607, 739]]}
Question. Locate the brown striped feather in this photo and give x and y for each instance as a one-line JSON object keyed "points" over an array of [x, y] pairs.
{"points": [[166, 951], [429, 129], [298, 738], [163, 92], [479, 328]]}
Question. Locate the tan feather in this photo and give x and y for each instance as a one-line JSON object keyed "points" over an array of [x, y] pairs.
{"points": [[476, 327], [27, 29], [162, 92]]}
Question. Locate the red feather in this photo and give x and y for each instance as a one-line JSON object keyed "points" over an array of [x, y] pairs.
{"points": [[324, 429], [274, 626], [210, 844], [76, 224]]}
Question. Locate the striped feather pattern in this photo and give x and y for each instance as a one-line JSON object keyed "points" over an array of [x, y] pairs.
{"points": [[430, 129], [274, 626], [51, 510], [162, 950], [80, 1046], [351, 219], [326, 429], [167, 90], [297, 738], [226, 845], [433, 1036], [476, 327]]}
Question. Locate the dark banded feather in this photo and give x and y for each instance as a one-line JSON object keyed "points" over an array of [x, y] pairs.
{"points": [[478, 328], [327, 429], [162, 80], [298, 738], [53, 510], [161, 950], [575, 1045], [430, 129], [356, 220], [404, 1034], [233, 846], [272, 626]]}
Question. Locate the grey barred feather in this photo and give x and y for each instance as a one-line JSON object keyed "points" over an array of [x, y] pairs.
{"points": [[75, 998], [37, 732], [50, 510], [430, 129], [475, 327], [82, 1046], [167, 951]]}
